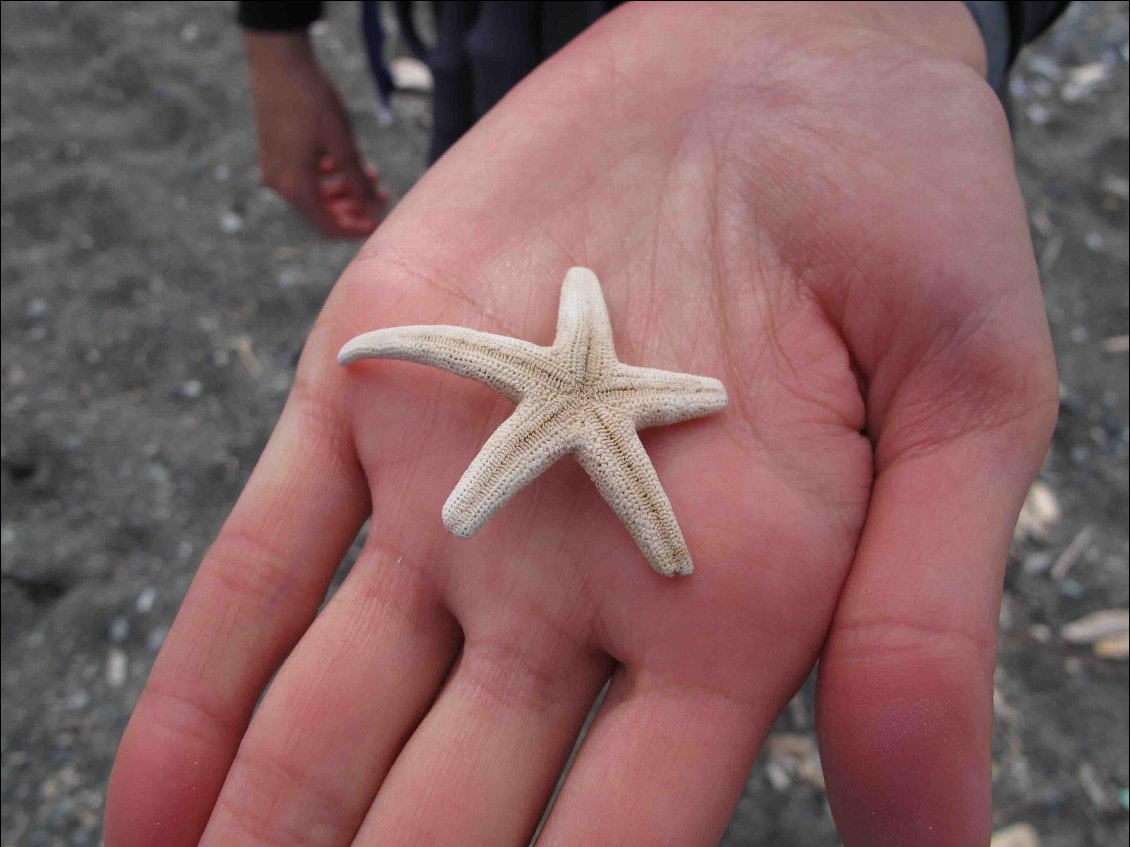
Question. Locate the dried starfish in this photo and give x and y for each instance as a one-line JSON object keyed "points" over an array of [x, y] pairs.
{"points": [[574, 397]]}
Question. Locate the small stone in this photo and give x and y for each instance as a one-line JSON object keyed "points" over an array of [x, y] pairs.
{"points": [[286, 253], [1117, 186], [778, 776], [117, 667], [410, 74], [1081, 81], [230, 223], [156, 638], [289, 277], [191, 388], [37, 308], [145, 600], [1016, 835], [1038, 563], [1045, 66], [78, 700], [1071, 588], [1037, 113], [1040, 512], [1113, 647], [1096, 625], [119, 630]]}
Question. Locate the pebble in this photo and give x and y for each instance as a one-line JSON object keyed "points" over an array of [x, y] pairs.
{"points": [[119, 630], [117, 666], [145, 600], [289, 277], [156, 638], [78, 700], [1072, 589], [1037, 113], [1016, 835], [1045, 66], [37, 308], [1082, 80], [1095, 626], [230, 223], [778, 777]]}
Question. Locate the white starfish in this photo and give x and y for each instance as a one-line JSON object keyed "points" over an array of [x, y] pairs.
{"points": [[574, 397]]}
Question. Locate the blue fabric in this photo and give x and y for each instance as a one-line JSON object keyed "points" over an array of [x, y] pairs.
{"points": [[993, 20]]}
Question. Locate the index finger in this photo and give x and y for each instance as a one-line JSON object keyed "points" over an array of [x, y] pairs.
{"points": [[255, 594]]}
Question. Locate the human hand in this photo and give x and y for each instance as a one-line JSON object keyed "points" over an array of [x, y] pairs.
{"points": [[815, 204], [306, 148]]}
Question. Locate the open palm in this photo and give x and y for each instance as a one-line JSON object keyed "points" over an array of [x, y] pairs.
{"points": [[820, 215]]}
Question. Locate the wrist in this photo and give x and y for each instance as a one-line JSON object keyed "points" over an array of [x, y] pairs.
{"points": [[274, 49]]}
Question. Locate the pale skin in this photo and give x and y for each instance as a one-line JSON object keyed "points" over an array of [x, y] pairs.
{"points": [[816, 205]]}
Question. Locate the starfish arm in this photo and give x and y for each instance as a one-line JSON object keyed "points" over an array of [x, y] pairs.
{"points": [[584, 331], [529, 441], [508, 365], [652, 397], [617, 462]]}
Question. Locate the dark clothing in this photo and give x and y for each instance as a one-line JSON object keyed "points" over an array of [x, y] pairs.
{"points": [[374, 34], [278, 16], [483, 48]]}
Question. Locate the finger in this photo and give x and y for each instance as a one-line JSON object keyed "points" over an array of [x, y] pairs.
{"points": [[906, 677], [255, 593], [307, 198], [345, 210], [334, 188], [356, 225], [361, 188], [481, 767], [662, 764], [340, 709]]}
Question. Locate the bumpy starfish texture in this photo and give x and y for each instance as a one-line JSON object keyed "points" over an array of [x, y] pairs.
{"points": [[573, 397]]}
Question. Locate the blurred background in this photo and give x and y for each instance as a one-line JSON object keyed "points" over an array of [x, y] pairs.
{"points": [[154, 302]]}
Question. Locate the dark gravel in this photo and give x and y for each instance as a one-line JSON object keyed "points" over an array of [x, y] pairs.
{"points": [[154, 301]]}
